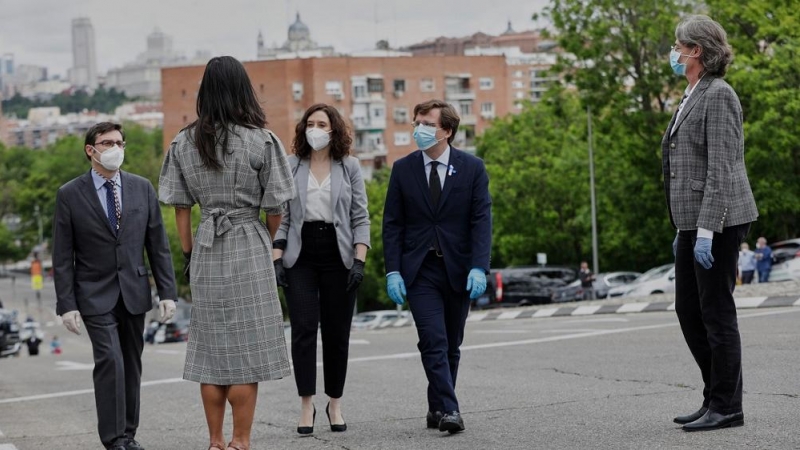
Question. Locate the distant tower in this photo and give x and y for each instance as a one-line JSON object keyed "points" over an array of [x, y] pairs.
{"points": [[84, 62], [260, 41], [509, 30]]}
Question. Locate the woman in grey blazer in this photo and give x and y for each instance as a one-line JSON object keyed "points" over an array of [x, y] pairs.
{"points": [[319, 255], [711, 204]]}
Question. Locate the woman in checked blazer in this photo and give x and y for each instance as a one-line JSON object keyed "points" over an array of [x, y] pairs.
{"points": [[319, 255], [711, 204]]}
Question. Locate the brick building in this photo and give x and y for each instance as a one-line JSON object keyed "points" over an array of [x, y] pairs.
{"points": [[376, 94]]}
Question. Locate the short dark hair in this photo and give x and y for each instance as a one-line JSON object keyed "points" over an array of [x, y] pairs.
{"points": [[97, 130], [448, 118], [340, 133]]}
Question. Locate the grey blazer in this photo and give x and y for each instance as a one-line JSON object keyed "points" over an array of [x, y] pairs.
{"points": [[92, 267], [349, 203], [705, 180]]}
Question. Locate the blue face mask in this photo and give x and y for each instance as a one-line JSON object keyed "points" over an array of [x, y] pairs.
{"points": [[425, 136], [677, 67]]}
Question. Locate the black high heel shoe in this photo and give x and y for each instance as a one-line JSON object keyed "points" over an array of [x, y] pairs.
{"points": [[308, 430], [334, 428]]}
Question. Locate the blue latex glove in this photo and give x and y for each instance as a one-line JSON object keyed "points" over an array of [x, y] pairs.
{"points": [[675, 247], [476, 283], [396, 288], [702, 252]]}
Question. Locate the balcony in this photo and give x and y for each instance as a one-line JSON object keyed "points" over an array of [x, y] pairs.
{"points": [[368, 97], [458, 94], [364, 123], [469, 119]]}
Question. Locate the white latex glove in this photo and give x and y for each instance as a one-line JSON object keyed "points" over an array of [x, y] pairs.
{"points": [[166, 308], [72, 321]]}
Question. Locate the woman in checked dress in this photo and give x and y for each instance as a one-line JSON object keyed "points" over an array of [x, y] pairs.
{"points": [[232, 167]]}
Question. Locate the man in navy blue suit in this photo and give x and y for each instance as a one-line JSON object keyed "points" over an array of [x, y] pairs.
{"points": [[437, 239]]}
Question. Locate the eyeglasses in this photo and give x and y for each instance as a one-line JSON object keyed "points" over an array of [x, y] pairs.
{"points": [[417, 123], [109, 144]]}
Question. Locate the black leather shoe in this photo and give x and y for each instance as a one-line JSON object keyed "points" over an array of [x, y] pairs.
{"points": [[689, 418], [433, 418], [131, 444], [714, 421], [336, 428], [451, 422], [308, 430]]}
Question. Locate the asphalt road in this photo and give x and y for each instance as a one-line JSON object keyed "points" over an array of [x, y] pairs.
{"points": [[572, 383]]}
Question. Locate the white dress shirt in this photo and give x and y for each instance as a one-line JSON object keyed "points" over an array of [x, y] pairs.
{"points": [[318, 200]]}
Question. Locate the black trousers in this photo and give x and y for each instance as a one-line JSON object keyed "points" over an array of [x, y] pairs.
{"points": [[707, 314], [117, 343], [440, 315], [317, 296]]}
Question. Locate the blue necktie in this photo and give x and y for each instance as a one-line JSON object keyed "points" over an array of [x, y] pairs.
{"points": [[112, 206]]}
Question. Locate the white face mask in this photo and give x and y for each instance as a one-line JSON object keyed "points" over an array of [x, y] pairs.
{"points": [[318, 138], [112, 158]]}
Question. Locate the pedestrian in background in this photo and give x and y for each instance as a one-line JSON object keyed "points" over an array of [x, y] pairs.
{"points": [[33, 344], [230, 165], [437, 238], [106, 221], [55, 346], [747, 263], [763, 259], [711, 205], [587, 281], [319, 256]]}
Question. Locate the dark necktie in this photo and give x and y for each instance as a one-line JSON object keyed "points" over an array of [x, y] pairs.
{"points": [[112, 206], [435, 185]]}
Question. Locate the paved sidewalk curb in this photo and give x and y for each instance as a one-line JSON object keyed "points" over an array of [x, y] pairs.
{"points": [[587, 310]]}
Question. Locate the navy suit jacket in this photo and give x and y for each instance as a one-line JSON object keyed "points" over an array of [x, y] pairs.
{"points": [[462, 221]]}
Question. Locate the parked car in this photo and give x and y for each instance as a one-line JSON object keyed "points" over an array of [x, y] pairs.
{"points": [[372, 319], [652, 274], [520, 286], [785, 260], [661, 281], [173, 331], [602, 284], [9, 334], [28, 329]]}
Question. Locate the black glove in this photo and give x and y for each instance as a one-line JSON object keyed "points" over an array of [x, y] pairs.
{"points": [[187, 261], [356, 275], [280, 273]]}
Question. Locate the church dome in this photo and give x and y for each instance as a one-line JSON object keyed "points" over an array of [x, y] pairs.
{"points": [[298, 31]]}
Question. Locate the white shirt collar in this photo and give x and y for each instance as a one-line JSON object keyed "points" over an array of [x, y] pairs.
{"points": [[443, 159]]}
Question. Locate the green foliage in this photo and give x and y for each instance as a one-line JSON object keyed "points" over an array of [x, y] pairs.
{"points": [[9, 250], [372, 293], [102, 100]]}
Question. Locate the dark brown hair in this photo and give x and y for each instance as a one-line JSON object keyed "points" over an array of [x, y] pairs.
{"points": [[97, 130], [340, 134], [225, 98], [448, 117]]}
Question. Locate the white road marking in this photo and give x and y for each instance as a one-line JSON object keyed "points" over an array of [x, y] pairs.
{"points": [[509, 315], [748, 302], [72, 365], [501, 331], [632, 307], [415, 354], [1, 433], [545, 312], [476, 317], [585, 310], [402, 322], [7, 446], [797, 303], [597, 319], [572, 330], [671, 307], [169, 352]]}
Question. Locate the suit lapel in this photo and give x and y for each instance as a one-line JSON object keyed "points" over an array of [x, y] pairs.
{"points": [[303, 169], [454, 167], [337, 177], [698, 92], [418, 166], [90, 194], [126, 202]]}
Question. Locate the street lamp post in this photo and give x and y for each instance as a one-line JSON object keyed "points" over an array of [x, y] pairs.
{"points": [[595, 263], [39, 223]]}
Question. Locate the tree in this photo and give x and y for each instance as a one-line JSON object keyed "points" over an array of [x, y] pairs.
{"points": [[372, 292]]}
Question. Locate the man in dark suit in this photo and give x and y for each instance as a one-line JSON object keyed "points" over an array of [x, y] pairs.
{"points": [[104, 223], [437, 237], [711, 204]]}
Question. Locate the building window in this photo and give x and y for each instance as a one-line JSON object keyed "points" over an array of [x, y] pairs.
{"points": [[297, 91], [518, 74], [399, 85], [487, 107], [465, 108], [401, 114], [375, 85], [519, 95], [518, 85], [402, 138], [486, 83], [333, 88], [427, 85]]}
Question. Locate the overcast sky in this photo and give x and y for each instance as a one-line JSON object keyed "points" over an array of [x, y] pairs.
{"points": [[39, 31]]}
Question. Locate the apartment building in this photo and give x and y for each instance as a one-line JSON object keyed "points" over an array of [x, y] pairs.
{"points": [[376, 94]]}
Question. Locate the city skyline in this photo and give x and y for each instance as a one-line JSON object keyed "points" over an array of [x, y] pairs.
{"points": [[40, 34]]}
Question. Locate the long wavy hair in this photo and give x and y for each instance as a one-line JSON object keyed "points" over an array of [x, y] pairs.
{"points": [[226, 97], [340, 134]]}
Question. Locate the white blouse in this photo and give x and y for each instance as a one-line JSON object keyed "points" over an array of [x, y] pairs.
{"points": [[318, 200]]}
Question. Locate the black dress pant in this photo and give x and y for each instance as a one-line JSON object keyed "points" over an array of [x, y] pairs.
{"points": [[440, 314], [117, 343], [317, 296], [707, 314]]}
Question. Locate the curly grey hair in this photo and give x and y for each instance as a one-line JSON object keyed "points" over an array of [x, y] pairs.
{"points": [[702, 31]]}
